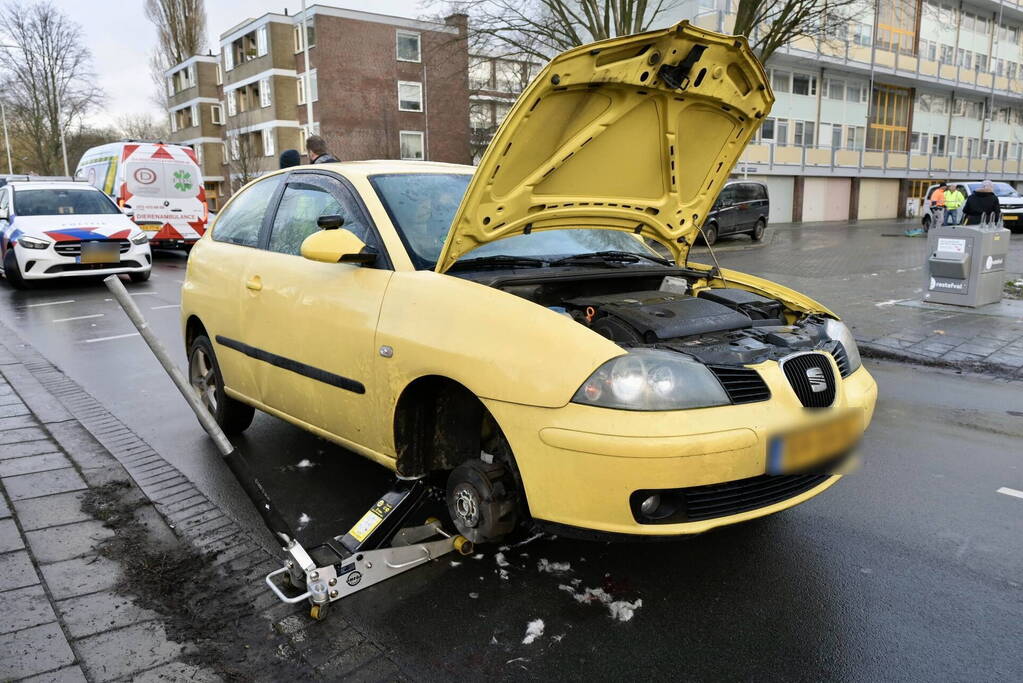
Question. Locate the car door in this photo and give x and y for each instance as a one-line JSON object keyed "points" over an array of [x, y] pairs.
{"points": [[745, 209], [726, 210], [215, 289], [311, 324]]}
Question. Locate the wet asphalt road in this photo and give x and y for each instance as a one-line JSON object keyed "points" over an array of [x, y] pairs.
{"points": [[910, 569]]}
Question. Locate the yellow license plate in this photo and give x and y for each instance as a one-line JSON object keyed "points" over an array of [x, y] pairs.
{"points": [[100, 252], [806, 448], [1009, 216]]}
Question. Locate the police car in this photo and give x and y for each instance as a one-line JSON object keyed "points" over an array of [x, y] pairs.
{"points": [[67, 229]]}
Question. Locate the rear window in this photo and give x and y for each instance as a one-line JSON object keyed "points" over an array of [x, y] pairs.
{"points": [[69, 202], [165, 179]]}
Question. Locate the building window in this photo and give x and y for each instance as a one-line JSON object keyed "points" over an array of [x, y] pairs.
{"points": [[767, 130], [481, 74], [265, 99], [235, 151], [782, 132], [804, 133], [310, 32], [409, 47], [509, 75], [834, 89], [411, 143], [268, 143], [199, 154], [836, 136], [410, 96], [803, 84], [216, 114], [261, 41], [232, 102], [220, 75], [313, 87], [780, 80]]}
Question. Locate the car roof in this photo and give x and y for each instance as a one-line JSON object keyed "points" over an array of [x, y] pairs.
{"points": [[745, 182], [54, 185], [385, 166]]}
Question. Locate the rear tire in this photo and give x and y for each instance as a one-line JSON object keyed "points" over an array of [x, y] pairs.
{"points": [[758, 230], [12, 272], [140, 277], [927, 222], [710, 234], [233, 416]]}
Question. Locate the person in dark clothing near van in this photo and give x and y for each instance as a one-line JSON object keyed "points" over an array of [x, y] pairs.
{"points": [[318, 153], [290, 157], [982, 204]]}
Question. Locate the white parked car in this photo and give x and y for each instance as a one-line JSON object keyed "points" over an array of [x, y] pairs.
{"points": [[67, 229]]}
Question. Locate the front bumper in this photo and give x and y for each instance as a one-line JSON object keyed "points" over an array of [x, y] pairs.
{"points": [[580, 464], [45, 264]]}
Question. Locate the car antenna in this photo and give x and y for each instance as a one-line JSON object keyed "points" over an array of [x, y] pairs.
{"points": [[716, 270]]}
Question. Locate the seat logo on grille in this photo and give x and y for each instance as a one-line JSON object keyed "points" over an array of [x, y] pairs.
{"points": [[818, 382]]}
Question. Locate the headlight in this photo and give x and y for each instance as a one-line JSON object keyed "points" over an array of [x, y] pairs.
{"points": [[649, 379], [840, 332], [140, 238], [33, 242]]}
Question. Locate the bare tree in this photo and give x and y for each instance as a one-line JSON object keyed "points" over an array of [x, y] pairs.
{"points": [[47, 82], [540, 29], [181, 32], [141, 126], [771, 24]]}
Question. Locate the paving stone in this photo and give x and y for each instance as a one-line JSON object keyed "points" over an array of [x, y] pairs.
{"points": [[376, 671], [60, 508], [348, 660], [116, 654], [43, 404], [33, 651], [957, 356], [80, 576], [17, 422], [43, 483], [1008, 359], [70, 674], [23, 434], [33, 463], [16, 571], [20, 450], [13, 409], [89, 614], [176, 671], [10, 537], [65, 542], [80, 444], [4, 510], [24, 608]]}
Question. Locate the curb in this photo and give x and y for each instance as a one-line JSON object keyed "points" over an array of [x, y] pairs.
{"points": [[879, 352], [106, 451]]}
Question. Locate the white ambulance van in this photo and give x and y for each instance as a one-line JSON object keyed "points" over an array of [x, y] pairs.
{"points": [[161, 183]]}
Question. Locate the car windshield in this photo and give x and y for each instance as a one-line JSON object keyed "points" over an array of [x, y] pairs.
{"points": [[61, 202], [1001, 189], [423, 205]]}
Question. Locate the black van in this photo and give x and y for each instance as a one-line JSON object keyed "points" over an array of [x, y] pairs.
{"points": [[742, 207]]}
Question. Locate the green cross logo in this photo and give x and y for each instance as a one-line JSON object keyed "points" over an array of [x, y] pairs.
{"points": [[182, 181]]}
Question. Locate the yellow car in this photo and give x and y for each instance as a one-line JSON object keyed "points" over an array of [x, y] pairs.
{"points": [[506, 331]]}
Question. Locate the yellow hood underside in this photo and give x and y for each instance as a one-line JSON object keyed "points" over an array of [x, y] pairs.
{"points": [[636, 134]]}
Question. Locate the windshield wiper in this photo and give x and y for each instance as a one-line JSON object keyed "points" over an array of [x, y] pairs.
{"points": [[499, 261], [610, 258]]}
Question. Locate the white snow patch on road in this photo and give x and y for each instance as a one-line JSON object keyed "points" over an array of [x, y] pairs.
{"points": [[620, 610], [534, 537], [890, 302], [303, 521], [455, 564], [474, 595], [302, 464], [478, 556], [545, 565], [503, 573], [501, 561], [534, 630], [624, 611]]}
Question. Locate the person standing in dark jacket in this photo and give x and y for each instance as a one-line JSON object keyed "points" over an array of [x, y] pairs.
{"points": [[290, 157], [982, 204], [318, 153]]}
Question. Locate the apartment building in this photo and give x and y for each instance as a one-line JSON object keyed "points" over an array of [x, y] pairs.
{"points": [[377, 87], [197, 118], [494, 85], [906, 93]]}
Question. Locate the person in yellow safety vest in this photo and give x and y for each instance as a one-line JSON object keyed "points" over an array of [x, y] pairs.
{"points": [[954, 200], [938, 205]]}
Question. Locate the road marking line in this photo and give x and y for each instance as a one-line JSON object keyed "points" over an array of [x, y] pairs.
{"points": [[1010, 492], [78, 317], [116, 336], [157, 308], [52, 303]]}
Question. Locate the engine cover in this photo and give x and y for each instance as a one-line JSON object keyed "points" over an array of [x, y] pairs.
{"points": [[656, 315]]}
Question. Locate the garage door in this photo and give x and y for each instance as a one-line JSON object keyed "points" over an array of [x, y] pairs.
{"points": [[878, 198]]}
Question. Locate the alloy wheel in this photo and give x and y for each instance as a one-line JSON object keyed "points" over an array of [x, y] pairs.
{"points": [[203, 378]]}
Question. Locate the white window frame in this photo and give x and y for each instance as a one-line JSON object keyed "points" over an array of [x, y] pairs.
{"points": [[191, 74], [235, 150], [300, 89], [220, 74], [314, 85], [422, 99], [232, 103], [229, 57], [268, 142], [265, 96], [194, 114], [199, 155], [262, 41], [422, 144], [419, 41], [217, 114], [174, 122]]}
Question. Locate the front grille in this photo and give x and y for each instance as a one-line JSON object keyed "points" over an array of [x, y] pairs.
{"points": [[69, 267], [74, 247], [697, 503], [812, 378], [743, 385], [841, 359]]}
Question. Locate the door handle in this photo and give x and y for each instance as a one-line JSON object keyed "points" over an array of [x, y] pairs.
{"points": [[255, 283]]}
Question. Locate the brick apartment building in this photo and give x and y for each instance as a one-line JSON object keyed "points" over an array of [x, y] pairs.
{"points": [[494, 85], [380, 87]]}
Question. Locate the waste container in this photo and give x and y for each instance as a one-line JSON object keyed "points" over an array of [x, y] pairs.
{"points": [[966, 263]]}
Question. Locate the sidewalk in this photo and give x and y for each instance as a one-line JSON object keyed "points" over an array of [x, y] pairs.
{"points": [[113, 566], [875, 283]]}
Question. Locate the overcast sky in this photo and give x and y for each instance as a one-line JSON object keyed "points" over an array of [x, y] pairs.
{"points": [[121, 39]]}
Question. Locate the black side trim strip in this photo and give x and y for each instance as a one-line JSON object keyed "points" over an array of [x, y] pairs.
{"points": [[294, 366]]}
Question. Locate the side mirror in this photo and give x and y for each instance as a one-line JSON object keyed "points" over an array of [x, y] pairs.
{"points": [[127, 211], [336, 246]]}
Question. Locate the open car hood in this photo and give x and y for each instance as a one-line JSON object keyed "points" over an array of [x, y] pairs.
{"points": [[636, 134]]}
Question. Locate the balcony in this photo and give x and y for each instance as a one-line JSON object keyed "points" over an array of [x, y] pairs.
{"points": [[820, 160]]}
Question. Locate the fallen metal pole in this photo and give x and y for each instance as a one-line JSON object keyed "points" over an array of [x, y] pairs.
{"points": [[232, 458]]}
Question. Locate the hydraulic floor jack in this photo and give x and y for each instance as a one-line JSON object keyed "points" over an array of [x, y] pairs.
{"points": [[379, 546]]}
